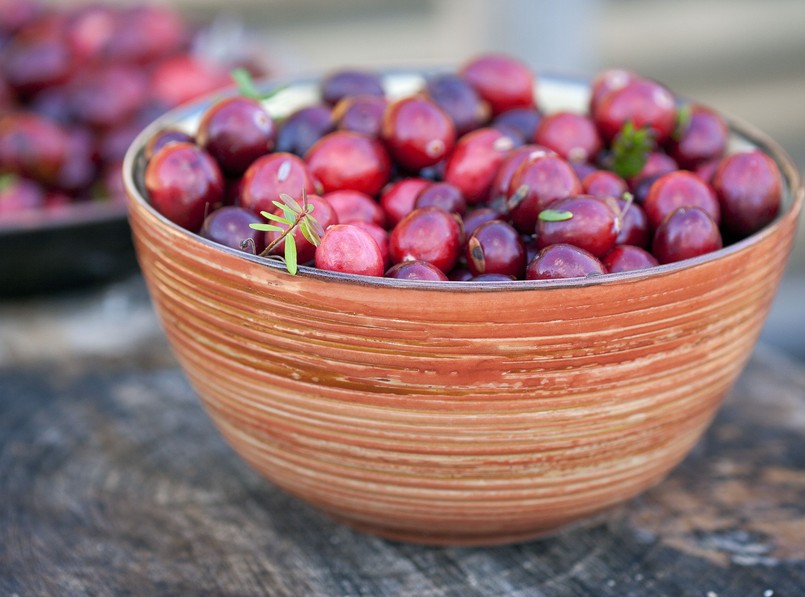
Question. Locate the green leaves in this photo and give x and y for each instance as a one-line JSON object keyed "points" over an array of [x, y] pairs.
{"points": [[246, 87], [555, 215], [683, 116], [630, 150], [294, 215]]}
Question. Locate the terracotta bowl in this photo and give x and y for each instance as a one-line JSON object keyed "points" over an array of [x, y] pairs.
{"points": [[459, 413]]}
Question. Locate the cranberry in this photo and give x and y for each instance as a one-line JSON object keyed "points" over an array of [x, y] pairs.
{"points": [[354, 206], [147, 33], [535, 185], [503, 81], [499, 189], [642, 102], [398, 198], [32, 146], [416, 270], [163, 138], [19, 195], [679, 189], [90, 29], [229, 226], [520, 122], [236, 131], [360, 113], [703, 138], [592, 225], [603, 183], [417, 132], [348, 249], [303, 128], [444, 195], [607, 81], [475, 161], [183, 77], [349, 82], [348, 160], [460, 100], [380, 235], [479, 216], [687, 232], [749, 188], [627, 258], [184, 183], [107, 95], [634, 225], [496, 248], [325, 215], [33, 64], [272, 175], [563, 261], [427, 234], [572, 136], [79, 169], [493, 277], [707, 169], [17, 14], [460, 274]]}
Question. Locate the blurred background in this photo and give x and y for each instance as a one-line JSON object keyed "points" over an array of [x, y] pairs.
{"points": [[744, 57]]}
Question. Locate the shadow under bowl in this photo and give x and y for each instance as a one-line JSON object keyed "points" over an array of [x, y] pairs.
{"points": [[459, 413]]}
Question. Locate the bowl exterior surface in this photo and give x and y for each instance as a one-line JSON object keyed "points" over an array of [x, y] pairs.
{"points": [[446, 414]]}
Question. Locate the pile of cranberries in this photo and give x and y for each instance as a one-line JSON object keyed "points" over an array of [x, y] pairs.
{"points": [[468, 179], [77, 85]]}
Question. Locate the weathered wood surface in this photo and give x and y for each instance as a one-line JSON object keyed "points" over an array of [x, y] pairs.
{"points": [[114, 482]]}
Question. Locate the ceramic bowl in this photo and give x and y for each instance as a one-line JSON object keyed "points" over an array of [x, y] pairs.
{"points": [[459, 413]]}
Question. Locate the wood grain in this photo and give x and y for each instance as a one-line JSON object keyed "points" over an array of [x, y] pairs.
{"points": [[115, 483]]}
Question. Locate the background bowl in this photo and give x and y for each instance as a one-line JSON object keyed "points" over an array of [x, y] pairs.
{"points": [[459, 413]]}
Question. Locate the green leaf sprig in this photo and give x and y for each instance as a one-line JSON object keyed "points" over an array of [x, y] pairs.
{"points": [[245, 83], [294, 215], [683, 117], [631, 149], [555, 215]]}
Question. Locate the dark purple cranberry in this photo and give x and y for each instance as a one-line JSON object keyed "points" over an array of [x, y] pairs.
{"points": [[350, 82], [347, 249], [427, 234], [481, 215], [703, 138], [460, 274], [627, 258], [687, 232], [657, 163], [460, 100], [163, 138], [493, 277], [590, 224], [522, 122], [679, 189], [299, 131], [603, 183], [105, 96], [416, 270], [496, 248], [229, 226], [34, 63], [236, 131], [749, 189], [444, 195], [563, 261], [634, 225], [360, 113]]}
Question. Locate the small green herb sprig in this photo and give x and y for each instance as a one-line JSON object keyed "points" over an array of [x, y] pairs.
{"points": [[630, 150], [294, 215], [245, 83]]}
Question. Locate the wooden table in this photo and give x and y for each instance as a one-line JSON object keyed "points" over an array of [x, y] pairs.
{"points": [[114, 482]]}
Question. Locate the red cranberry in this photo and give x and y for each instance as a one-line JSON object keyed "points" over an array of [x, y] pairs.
{"points": [[535, 185], [563, 261], [354, 206], [592, 225], [20, 195], [184, 183], [496, 248], [348, 160], [444, 195], [32, 146], [703, 138], [147, 33], [79, 169], [679, 189], [272, 175], [181, 78], [607, 81], [634, 225], [380, 235], [603, 183], [499, 188], [90, 28], [303, 128], [707, 169], [348, 249], [236, 131], [229, 226], [627, 258], [475, 161], [427, 234], [749, 189], [520, 122], [108, 95], [350, 82], [687, 232], [32, 64], [417, 132], [360, 113], [163, 138], [642, 102], [503, 81], [325, 215], [459, 99], [479, 216], [573, 136], [398, 198], [416, 270]]}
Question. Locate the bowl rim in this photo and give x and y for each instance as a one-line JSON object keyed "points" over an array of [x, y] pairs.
{"points": [[134, 166]]}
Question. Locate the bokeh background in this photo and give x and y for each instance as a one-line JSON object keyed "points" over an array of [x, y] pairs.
{"points": [[744, 57]]}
